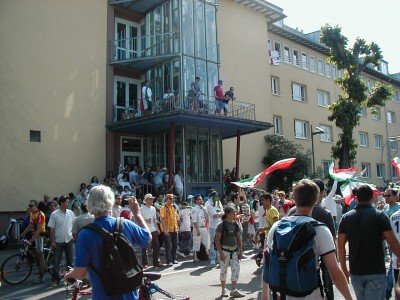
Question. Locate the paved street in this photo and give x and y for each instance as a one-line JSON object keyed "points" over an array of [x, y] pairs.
{"points": [[198, 280]]}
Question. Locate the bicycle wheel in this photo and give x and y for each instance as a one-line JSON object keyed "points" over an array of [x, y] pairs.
{"points": [[49, 262], [16, 269]]}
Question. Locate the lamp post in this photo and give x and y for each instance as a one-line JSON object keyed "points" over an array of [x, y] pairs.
{"points": [[390, 139], [319, 130]]}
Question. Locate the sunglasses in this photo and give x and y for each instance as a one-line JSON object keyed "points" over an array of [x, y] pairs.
{"points": [[386, 196], [30, 205]]}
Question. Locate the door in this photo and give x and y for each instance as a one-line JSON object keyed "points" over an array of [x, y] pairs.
{"points": [[131, 151], [127, 39], [126, 95]]}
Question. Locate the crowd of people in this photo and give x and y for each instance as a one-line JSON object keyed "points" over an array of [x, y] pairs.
{"points": [[221, 226]]}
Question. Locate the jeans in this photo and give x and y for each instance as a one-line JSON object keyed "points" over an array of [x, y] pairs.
{"points": [[369, 287], [156, 250], [171, 243], [69, 255], [389, 281], [213, 252], [184, 245]]}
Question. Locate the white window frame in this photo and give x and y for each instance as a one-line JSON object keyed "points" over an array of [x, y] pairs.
{"points": [[393, 145], [313, 64], [367, 173], [378, 115], [334, 72], [287, 54], [325, 167], [393, 171], [363, 111], [323, 98], [279, 50], [328, 70], [320, 66], [380, 170], [275, 86], [296, 57], [391, 117], [299, 92], [304, 60], [327, 136], [363, 139], [378, 141], [396, 96], [301, 129], [278, 125]]}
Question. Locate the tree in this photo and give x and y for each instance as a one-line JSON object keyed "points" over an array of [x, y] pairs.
{"points": [[280, 148], [345, 111]]}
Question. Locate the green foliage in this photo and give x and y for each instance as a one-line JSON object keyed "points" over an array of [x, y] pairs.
{"points": [[280, 148], [344, 112]]}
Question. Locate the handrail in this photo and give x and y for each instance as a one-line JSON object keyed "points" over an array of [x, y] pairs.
{"points": [[203, 105], [144, 46]]}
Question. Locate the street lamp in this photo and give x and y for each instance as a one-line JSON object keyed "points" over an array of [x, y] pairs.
{"points": [[390, 139], [319, 130]]}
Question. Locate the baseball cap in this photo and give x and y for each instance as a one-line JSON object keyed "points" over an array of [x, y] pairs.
{"points": [[190, 196], [147, 196]]}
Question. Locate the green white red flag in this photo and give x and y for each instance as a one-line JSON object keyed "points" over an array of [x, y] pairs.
{"points": [[347, 187], [341, 174], [256, 180], [396, 165]]}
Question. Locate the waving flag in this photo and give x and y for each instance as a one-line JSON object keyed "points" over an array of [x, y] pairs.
{"points": [[347, 187], [341, 174], [256, 180], [396, 165]]}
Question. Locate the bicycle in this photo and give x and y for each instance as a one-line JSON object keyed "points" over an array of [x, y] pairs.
{"points": [[146, 291], [18, 267]]}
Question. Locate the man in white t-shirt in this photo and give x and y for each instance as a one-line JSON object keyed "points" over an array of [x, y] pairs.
{"points": [[200, 232], [185, 234], [395, 222], [306, 194], [148, 212], [215, 212]]}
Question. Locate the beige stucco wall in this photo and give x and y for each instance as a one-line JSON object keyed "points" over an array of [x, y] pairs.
{"points": [[242, 36], [52, 79]]}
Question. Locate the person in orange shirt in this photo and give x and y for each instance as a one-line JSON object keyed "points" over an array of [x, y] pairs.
{"points": [[169, 222]]}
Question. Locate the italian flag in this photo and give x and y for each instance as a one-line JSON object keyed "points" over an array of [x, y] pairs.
{"points": [[341, 174], [256, 180], [396, 165], [347, 187]]}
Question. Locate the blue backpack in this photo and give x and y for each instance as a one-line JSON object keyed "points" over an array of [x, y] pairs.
{"points": [[292, 260]]}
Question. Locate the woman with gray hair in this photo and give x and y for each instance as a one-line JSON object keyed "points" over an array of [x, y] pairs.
{"points": [[89, 244]]}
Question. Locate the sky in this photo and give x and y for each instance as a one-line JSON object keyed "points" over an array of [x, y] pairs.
{"points": [[370, 20]]}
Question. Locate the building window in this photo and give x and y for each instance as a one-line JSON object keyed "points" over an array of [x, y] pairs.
{"points": [[394, 172], [363, 139], [396, 96], [323, 98], [327, 70], [391, 117], [299, 92], [378, 141], [363, 112], [393, 145], [367, 168], [313, 67], [278, 125], [275, 85], [304, 60], [377, 115], [301, 129], [278, 47], [35, 136], [320, 66], [380, 170], [327, 135], [334, 72], [325, 167], [296, 57], [286, 51]]}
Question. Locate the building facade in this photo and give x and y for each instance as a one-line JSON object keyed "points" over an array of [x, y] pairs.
{"points": [[71, 85]]}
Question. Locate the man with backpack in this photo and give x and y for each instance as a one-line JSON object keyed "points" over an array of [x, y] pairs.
{"points": [[121, 278], [294, 245]]}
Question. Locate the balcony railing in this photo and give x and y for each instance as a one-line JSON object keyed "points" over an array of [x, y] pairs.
{"points": [[207, 105], [148, 46]]}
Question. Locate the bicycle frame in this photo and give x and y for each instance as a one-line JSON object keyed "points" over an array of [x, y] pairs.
{"points": [[77, 285]]}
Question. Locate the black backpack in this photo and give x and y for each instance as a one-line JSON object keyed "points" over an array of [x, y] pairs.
{"points": [[225, 232], [202, 253], [120, 271]]}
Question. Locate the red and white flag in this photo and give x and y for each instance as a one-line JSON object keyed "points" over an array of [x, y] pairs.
{"points": [[396, 165], [348, 187], [341, 174]]}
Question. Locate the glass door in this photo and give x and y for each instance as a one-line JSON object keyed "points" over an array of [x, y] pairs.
{"points": [[127, 39], [126, 95], [131, 151]]}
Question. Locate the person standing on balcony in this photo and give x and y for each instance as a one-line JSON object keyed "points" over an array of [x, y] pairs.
{"points": [[194, 94], [219, 97], [169, 100], [146, 102], [229, 95]]}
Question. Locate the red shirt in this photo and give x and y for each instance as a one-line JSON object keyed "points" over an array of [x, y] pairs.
{"points": [[219, 92]]}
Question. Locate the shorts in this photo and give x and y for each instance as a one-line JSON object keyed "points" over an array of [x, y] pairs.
{"points": [[39, 244], [220, 104]]}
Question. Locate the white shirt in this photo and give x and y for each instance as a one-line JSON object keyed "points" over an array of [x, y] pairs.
{"points": [[178, 182], [395, 222], [198, 216], [329, 201], [149, 213], [261, 219], [62, 225], [184, 218], [212, 210], [149, 93]]}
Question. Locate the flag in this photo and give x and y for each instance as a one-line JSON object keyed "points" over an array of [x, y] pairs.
{"points": [[396, 165], [347, 188], [341, 174], [294, 183], [256, 180], [360, 174]]}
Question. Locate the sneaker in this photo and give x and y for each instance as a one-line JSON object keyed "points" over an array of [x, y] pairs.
{"points": [[212, 262], [175, 262], [224, 292], [170, 264], [180, 254], [236, 294], [55, 283], [195, 259], [40, 279], [162, 248]]}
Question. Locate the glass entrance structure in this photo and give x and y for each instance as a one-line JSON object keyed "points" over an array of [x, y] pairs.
{"points": [[170, 43]]}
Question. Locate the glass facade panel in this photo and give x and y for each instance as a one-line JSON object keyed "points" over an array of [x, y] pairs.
{"points": [[212, 78], [189, 72], [178, 150], [200, 32], [216, 157], [204, 156], [211, 33], [187, 27], [191, 173]]}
